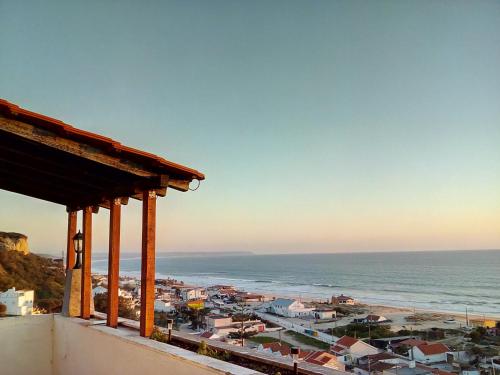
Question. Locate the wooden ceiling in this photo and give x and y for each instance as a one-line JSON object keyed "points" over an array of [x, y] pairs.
{"points": [[56, 166]]}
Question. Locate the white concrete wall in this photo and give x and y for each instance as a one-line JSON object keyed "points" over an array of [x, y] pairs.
{"points": [[26, 345], [82, 349], [56, 345]]}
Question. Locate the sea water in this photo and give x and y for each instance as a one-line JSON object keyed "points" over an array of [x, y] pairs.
{"points": [[437, 280]]}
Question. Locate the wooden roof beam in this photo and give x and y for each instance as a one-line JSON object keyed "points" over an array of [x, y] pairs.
{"points": [[51, 139]]}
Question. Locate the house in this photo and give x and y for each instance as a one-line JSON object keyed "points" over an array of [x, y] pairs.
{"points": [[377, 363], [429, 352], [372, 319], [343, 300], [235, 327], [126, 282], [276, 348], [281, 350], [290, 308], [389, 343], [249, 297], [163, 306], [319, 358], [325, 359], [188, 294], [407, 343], [392, 364], [349, 350], [18, 302], [215, 321], [324, 313], [224, 325], [99, 290]]}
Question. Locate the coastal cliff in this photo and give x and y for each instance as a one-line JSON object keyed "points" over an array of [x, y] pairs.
{"points": [[14, 242]]}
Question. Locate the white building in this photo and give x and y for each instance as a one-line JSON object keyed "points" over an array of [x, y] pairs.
{"points": [[18, 302], [99, 290], [163, 306], [324, 313], [188, 294], [430, 353], [224, 325], [290, 308], [343, 300], [348, 349]]}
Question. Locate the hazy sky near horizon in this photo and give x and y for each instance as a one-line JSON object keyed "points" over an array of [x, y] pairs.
{"points": [[321, 126]]}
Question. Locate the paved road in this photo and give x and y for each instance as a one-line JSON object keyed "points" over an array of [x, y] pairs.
{"points": [[295, 327]]}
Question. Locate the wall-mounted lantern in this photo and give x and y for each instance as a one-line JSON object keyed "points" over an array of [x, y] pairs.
{"points": [[78, 244]]}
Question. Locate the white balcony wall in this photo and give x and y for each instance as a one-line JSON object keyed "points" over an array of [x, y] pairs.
{"points": [[55, 345], [26, 345]]}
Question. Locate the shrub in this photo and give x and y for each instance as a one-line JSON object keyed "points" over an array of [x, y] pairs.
{"points": [[159, 335], [203, 348]]}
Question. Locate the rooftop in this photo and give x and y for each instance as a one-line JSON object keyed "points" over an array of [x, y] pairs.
{"points": [[431, 349]]}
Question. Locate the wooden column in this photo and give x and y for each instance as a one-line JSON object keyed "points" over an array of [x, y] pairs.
{"points": [[86, 262], [70, 247], [148, 262], [113, 261]]}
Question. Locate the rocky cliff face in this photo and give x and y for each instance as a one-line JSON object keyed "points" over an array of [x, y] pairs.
{"points": [[14, 242]]}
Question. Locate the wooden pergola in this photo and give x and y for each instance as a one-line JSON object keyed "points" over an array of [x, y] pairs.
{"points": [[44, 158]]}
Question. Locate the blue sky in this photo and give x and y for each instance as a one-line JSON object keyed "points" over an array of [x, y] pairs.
{"points": [[321, 125]]}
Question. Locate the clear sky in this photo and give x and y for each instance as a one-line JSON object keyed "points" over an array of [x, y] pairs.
{"points": [[321, 126]]}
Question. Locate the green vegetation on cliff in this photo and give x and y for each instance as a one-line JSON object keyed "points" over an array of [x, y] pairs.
{"points": [[33, 272]]}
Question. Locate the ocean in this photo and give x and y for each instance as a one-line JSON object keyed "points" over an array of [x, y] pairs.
{"points": [[446, 281]]}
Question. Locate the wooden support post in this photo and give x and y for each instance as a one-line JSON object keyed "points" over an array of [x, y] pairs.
{"points": [[70, 246], [113, 262], [86, 263], [148, 262]]}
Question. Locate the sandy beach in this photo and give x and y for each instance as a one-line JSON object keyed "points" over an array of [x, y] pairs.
{"points": [[403, 317]]}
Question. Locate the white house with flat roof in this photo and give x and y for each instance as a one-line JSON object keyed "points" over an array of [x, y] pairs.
{"points": [[290, 308], [163, 306], [18, 302]]}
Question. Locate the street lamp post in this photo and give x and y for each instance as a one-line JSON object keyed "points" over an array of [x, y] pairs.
{"points": [[170, 325], [78, 244]]}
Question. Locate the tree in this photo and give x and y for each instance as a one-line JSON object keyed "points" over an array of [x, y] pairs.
{"points": [[125, 310], [475, 337], [159, 335], [33, 272]]}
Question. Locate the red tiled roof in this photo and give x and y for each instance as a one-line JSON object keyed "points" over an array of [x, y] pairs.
{"points": [[412, 342], [346, 341], [431, 349], [380, 356], [283, 349], [337, 349], [277, 347], [111, 146], [320, 358]]}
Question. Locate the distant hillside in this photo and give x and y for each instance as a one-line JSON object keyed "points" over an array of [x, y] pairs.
{"points": [[33, 272]]}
